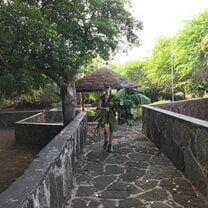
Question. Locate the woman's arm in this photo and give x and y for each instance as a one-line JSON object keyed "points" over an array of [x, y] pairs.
{"points": [[100, 106]]}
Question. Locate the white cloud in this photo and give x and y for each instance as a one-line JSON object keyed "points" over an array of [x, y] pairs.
{"points": [[160, 18]]}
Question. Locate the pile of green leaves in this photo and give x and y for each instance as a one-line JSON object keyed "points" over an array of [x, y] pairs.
{"points": [[103, 116], [125, 102]]}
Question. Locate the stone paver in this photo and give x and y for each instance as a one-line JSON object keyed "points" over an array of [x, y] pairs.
{"points": [[134, 175]]}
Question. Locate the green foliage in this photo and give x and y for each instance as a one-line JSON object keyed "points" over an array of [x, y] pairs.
{"points": [[95, 64], [56, 38], [66, 34], [154, 74], [190, 63], [191, 51], [159, 64], [103, 117], [13, 85], [29, 42], [136, 71], [125, 102], [90, 112]]}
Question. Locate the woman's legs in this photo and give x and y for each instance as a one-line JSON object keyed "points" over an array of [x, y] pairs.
{"points": [[110, 140], [108, 133], [108, 136]]}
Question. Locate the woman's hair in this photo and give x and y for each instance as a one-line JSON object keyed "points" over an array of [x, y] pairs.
{"points": [[107, 86]]}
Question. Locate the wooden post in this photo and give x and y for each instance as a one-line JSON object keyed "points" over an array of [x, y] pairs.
{"points": [[82, 101]]}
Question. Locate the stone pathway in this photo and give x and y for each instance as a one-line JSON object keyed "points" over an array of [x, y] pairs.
{"points": [[134, 175]]}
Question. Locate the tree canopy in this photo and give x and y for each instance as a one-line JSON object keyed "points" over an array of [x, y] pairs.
{"points": [[191, 52], [190, 48], [56, 38]]}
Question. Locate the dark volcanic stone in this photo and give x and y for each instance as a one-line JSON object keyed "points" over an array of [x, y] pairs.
{"points": [[160, 160], [108, 203], [195, 172], [116, 159], [130, 203], [84, 203], [79, 203], [161, 171], [102, 181], [132, 174], [113, 169], [139, 157], [146, 150], [94, 168], [114, 194], [83, 178], [121, 186], [97, 156], [155, 195], [183, 193], [160, 205], [146, 184], [138, 164], [122, 150], [85, 191]]}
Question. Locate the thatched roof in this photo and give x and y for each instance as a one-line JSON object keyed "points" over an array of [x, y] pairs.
{"points": [[95, 81]]}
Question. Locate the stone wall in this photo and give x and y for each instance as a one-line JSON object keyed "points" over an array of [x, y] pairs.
{"points": [[51, 116], [8, 118], [55, 116], [197, 108], [183, 139], [48, 180], [38, 128]]}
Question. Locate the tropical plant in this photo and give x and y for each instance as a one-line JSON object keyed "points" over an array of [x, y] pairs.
{"points": [[125, 102]]}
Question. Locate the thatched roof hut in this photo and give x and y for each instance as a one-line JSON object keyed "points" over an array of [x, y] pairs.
{"points": [[95, 81]]}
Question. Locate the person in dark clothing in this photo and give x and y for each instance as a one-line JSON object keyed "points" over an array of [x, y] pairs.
{"points": [[104, 103]]}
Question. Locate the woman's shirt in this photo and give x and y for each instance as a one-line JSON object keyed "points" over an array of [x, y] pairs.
{"points": [[105, 100]]}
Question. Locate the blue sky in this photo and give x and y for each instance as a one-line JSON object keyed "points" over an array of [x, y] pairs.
{"points": [[160, 18]]}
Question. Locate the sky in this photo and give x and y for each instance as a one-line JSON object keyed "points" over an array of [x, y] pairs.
{"points": [[160, 18]]}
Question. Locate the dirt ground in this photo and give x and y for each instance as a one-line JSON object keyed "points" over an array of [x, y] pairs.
{"points": [[14, 159]]}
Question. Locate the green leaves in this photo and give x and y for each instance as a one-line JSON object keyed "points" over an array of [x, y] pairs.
{"points": [[63, 35], [105, 117], [125, 102], [190, 46], [191, 56], [56, 38]]}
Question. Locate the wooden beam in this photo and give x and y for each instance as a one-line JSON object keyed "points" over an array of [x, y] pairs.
{"points": [[82, 101]]}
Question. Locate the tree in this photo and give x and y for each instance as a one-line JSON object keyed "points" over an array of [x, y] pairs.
{"points": [[191, 54], [159, 64], [137, 71], [56, 38]]}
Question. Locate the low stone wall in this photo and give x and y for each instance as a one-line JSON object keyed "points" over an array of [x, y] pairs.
{"points": [[39, 129], [183, 139], [48, 180], [50, 116], [197, 108], [8, 118]]}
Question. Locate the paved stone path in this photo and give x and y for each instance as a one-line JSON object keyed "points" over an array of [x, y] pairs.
{"points": [[134, 175]]}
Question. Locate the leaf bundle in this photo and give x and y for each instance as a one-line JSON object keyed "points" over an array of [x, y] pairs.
{"points": [[125, 102]]}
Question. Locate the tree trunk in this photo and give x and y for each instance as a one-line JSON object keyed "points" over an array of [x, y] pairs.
{"points": [[68, 96]]}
